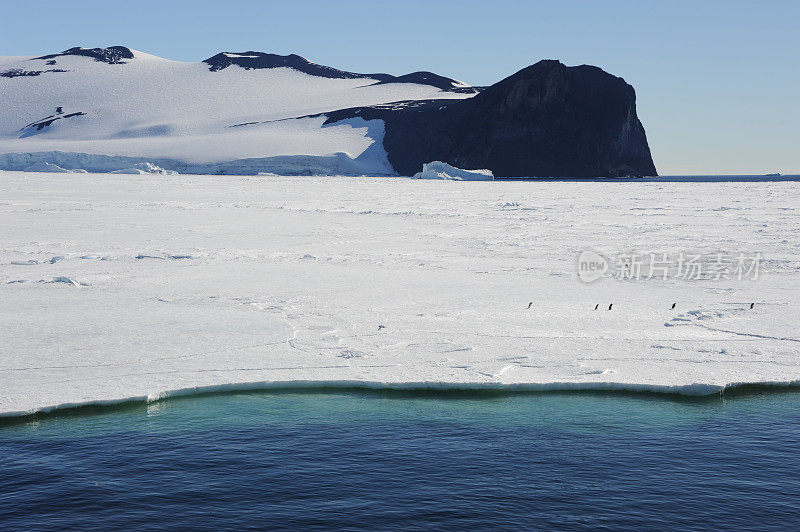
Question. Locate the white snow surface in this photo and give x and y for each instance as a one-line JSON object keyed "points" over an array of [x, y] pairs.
{"points": [[118, 287], [151, 108], [440, 170]]}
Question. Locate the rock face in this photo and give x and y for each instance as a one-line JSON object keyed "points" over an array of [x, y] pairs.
{"points": [[113, 55], [547, 120], [259, 60]]}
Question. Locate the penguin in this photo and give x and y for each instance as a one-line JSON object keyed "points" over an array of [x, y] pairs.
{"points": [[529, 304], [752, 305], [381, 327], [611, 305], [597, 306], [673, 306]]}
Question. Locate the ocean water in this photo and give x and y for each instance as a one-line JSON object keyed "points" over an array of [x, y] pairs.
{"points": [[366, 460]]}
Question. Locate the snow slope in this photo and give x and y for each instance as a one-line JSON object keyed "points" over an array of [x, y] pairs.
{"points": [[151, 108], [118, 287]]}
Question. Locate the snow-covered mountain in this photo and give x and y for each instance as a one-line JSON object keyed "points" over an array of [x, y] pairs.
{"points": [[109, 108]]}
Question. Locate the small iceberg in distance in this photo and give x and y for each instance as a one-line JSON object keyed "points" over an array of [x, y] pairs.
{"points": [[440, 170], [776, 174], [144, 168]]}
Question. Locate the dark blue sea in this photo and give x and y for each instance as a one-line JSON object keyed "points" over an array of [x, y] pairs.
{"points": [[367, 460]]}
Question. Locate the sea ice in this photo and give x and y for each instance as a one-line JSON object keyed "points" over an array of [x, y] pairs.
{"points": [[239, 282]]}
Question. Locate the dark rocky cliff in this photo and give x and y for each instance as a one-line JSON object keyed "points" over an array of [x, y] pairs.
{"points": [[546, 120]]}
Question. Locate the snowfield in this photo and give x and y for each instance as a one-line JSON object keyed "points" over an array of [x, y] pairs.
{"points": [[121, 286], [79, 113]]}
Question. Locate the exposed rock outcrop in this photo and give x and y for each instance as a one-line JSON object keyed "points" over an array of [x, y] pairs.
{"points": [[546, 120], [257, 60], [112, 55]]}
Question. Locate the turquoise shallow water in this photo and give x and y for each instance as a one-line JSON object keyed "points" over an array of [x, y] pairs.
{"points": [[356, 459]]}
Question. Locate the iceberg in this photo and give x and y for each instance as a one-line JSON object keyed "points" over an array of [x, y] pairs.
{"points": [[440, 170], [144, 168]]}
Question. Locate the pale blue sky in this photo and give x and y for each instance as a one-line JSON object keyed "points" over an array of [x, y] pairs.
{"points": [[718, 82]]}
